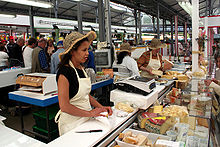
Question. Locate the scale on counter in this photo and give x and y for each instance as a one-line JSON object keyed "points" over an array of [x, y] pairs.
{"points": [[140, 85]]}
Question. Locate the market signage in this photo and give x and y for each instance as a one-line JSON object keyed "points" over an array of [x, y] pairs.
{"points": [[213, 21], [19, 20], [47, 23]]}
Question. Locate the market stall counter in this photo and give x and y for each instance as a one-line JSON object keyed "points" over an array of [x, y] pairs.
{"points": [[11, 137], [8, 77], [39, 99]]}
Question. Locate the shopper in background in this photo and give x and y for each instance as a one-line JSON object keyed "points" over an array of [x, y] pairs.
{"points": [[27, 52], [39, 59], [10, 46], [55, 57], [215, 83], [152, 59], [90, 63], [15, 52], [217, 60], [74, 85], [50, 49], [4, 42], [3, 57], [125, 65]]}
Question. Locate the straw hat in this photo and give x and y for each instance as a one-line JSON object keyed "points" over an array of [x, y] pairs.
{"points": [[155, 44], [125, 47], [73, 38]]}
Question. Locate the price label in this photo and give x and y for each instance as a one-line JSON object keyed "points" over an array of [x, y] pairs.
{"points": [[158, 109]]}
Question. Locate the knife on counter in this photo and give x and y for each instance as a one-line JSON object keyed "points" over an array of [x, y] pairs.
{"points": [[89, 131]]}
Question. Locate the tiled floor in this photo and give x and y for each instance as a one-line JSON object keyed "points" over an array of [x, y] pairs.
{"points": [[14, 122]]}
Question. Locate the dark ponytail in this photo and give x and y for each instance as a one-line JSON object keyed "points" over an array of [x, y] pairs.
{"points": [[121, 56]]}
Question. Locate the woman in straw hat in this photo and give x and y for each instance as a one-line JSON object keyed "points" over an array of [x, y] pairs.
{"points": [[151, 61], [74, 85], [125, 64]]}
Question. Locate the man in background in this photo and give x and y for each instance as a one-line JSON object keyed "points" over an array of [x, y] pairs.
{"points": [[15, 51], [55, 57], [27, 52], [10, 46], [39, 59]]}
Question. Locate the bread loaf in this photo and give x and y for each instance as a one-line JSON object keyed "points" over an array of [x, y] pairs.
{"points": [[130, 140], [141, 139]]}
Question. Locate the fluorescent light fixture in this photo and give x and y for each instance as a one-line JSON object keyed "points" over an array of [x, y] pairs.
{"points": [[94, 1], [8, 15], [31, 3], [120, 7], [186, 5]]}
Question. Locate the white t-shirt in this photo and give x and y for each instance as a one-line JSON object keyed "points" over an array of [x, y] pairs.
{"points": [[27, 55], [3, 58], [130, 64]]}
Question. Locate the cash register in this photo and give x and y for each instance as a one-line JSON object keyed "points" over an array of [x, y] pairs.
{"points": [[136, 84]]}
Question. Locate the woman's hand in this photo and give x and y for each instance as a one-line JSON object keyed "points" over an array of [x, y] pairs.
{"points": [[215, 81], [150, 71], [109, 110], [208, 82], [96, 112]]}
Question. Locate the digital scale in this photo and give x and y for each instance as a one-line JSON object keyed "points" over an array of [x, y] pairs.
{"points": [[140, 85]]}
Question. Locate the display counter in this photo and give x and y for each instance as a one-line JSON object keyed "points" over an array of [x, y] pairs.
{"points": [[109, 134], [9, 77], [12, 138], [118, 124], [196, 123]]}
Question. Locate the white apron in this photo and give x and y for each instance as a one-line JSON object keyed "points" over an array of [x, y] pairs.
{"points": [[153, 64], [67, 122]]}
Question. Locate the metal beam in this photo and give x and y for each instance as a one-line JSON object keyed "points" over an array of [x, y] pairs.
{"points": [[31, 21], [174, 4], [79, 16], [129, 21], [56, 8], [5, 4], [101, 21], [85, 12], [171, 22], [135, 16], [68, 9], [169, 8], [158, 20]]}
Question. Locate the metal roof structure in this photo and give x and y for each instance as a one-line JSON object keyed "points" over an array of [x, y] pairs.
{"points": [[67, 9]]}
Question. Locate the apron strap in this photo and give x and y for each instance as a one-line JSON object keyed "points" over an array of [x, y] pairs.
{"points": [[56, 119], [71, 64], [157, 56]]}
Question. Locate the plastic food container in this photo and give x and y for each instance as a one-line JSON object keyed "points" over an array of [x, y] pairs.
{"points": [[192, 141], [153, 137], [172, 134]]}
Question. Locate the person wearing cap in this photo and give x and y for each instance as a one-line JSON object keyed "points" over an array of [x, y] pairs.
{"points": [[125, 65], [4, 42], [55, 57], [74, 85], [27, 52], [151, 60], [10, 46]]}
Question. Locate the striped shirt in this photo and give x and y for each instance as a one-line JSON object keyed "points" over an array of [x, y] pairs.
{"points": [[145, 59]]}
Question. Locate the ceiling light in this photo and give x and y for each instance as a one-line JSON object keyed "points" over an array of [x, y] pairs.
{"points": [[8, 15], [31, 3], [186, 5]]}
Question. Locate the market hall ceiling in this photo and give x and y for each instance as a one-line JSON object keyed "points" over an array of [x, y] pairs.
{"points": [[67, 9]]}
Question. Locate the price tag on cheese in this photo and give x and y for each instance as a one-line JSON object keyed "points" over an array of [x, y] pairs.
{"points": [[158, 109], [163, 117]]}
